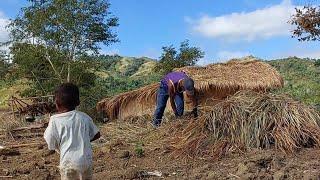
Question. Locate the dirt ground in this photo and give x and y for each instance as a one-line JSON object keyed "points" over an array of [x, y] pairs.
{"points": [[129, 151]]}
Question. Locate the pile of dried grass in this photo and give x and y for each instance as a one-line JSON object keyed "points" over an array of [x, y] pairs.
{"points": [[245, 73], [215, 80], [249, 120], [142, 98]]}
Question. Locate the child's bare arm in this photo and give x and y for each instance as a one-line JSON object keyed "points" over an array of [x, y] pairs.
{"points": [[97, 136]]}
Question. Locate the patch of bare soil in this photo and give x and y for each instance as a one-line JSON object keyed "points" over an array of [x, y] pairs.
{"points": [[129, 151]]}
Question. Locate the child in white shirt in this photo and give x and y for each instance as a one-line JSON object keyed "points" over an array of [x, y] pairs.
{"points": [[70, 132]]}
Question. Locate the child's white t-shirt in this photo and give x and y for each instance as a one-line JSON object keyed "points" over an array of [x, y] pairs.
{"points": [[70, 133]]}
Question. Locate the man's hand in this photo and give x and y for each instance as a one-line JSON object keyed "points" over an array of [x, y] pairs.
{"points": [[195, 112]]}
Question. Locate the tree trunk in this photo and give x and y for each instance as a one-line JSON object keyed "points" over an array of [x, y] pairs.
{"points": [[54, 69], [71, 56], [68, 76]]}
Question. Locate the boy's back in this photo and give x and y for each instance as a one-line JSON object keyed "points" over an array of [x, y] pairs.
{"points": [[71, 132]]}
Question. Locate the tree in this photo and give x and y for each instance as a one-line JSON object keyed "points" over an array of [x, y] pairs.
{"points": [[307, 22], [4, 65], [170, 58], [317, 63], [31, 65], [70, 27]]}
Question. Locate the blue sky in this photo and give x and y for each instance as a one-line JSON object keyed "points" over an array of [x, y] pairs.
{"points": [[222, 29]]}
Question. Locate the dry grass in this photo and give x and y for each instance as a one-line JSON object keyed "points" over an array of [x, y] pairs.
{"points": [[215, 80], [142, 98], [8, 123], [249, 120], [138, 129], [245, 73]]}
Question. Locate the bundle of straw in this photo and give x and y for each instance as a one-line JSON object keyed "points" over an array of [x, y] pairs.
{"points": [[215, 80], [250, 120], [128, 104]]}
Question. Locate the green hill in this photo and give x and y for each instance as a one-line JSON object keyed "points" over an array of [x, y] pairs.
{"points": [[126, 67], [301, 78]]}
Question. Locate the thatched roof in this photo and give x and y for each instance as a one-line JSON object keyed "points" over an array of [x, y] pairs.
{"points": [[247, 73], [113, 106], [215, 80]]}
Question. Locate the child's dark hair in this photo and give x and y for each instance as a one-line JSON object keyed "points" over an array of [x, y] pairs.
{"points": [[67, 96]]}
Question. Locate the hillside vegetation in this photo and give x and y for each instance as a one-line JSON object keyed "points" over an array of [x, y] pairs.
{"points": [[119, 74], [117, 66], [301, 78]]}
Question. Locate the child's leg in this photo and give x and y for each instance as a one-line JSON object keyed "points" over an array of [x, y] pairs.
{"points": [[87, 174], [69, 174]]}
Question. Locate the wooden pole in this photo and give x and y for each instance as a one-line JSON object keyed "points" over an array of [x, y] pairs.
{"points": [[24, 145], [29, 98], [12, 108]]}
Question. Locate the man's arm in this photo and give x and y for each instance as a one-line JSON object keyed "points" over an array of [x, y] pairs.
{"points": [[195, 105]]}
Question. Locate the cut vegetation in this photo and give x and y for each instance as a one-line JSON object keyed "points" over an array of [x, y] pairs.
{"points": [[249, 120], [214, 81]]}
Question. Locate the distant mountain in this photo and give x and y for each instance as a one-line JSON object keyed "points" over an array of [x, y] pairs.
{"points": [[118, 66]]}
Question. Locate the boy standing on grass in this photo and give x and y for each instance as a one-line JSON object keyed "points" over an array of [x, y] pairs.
{"points": [[70, 132]]}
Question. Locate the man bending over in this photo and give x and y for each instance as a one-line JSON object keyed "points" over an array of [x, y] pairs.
{"points": [[172, 86]]}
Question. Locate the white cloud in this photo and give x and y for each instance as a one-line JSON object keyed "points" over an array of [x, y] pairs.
{"points": [[259, 24], [4, 34], [227, 55], [223, 56]]}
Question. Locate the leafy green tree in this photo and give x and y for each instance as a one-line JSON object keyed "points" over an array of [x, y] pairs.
{"points": [[4, 65], [134, 67], [108, 62], [71, 27], [317, 63], [171, 58], [31, 65]]}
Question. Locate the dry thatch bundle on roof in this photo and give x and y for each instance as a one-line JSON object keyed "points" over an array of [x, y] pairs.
{"points": [[250, 120], [215, 81], [129, 103], [247, 73]]}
